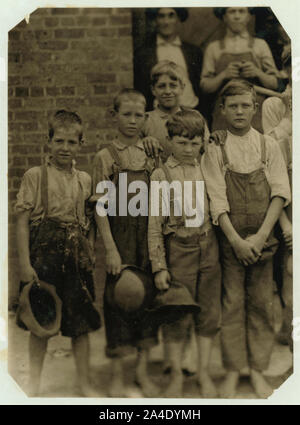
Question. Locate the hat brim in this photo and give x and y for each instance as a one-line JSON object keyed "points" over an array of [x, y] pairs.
{"points": [[28, 317]]}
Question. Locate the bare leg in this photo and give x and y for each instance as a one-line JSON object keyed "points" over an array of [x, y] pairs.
{"points": [[229, 385], [81, 351], [116, 387], [208, 388], [148, 387], [261, 387], [37, 351]]}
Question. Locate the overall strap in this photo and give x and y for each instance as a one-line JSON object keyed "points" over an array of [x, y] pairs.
{"points": [[219, 137], [114, 153], [167, 173], [263, 149], [44, 189]]}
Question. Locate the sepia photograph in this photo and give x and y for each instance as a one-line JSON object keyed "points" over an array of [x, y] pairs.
{"points": [[150, 237]]}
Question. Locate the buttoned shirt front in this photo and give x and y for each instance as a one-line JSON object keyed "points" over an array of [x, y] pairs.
{"points": [[159, 225], [244, 156], [172, 51]]}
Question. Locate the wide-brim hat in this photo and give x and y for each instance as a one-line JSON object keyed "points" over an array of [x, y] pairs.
{"points": [[182, 12], [132, 290], [220, 11], [40, 309]]}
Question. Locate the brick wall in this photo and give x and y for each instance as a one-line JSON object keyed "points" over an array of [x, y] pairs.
{"points": [[75, 58]]}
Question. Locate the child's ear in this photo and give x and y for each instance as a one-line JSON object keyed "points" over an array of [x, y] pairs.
{"points": [[222, 109], [111, 114]]}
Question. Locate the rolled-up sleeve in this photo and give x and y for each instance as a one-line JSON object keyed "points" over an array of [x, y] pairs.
{"points": [[273, 121], [27, 195], [266, 58], [156, 244], [277, 172], [212, 168]]}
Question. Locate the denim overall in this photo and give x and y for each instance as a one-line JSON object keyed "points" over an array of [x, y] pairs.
{"points": [[124, 331], [247, 333], [218, 121], [61, 256]]}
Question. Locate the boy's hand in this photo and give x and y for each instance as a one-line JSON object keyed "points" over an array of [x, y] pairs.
{"points": [[232, 70], [246, 252], [27, 274], [161, 280], [152, 146], [288, 236], [249, 70], [257, 243], [113, 262]]}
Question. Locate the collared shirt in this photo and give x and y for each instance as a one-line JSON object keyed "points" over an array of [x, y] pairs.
{"points": [[132, 157], [237, 44], [160, 225], [67, 193], [273, 120], [173, 52], [244, 156], [155, 126]]}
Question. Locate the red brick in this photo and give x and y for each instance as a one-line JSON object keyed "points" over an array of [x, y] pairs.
{"points": [[100, 89], [14, 80], [38, 103], [14, 103], [51, 22], [37, 91], [41, 11], [68, 91], [43, 34], [101, 78], [65, 11], [69, 33], [12, 195], [22, 24], [35, 56], [22, 91], [16, 172], [19, 160], [99, 101], [14, 57], [27, 149], [10, 92], [108, 32], [96, 10], [14, 35], [71, 102], [99, 21], [84, 21], [34, 161], [37, 138], [126, 31], [28, 115], [52, 91], [53, 45], [120, 20], [68, 22]]}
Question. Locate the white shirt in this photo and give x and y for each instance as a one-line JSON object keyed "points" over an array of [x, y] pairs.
{"points": [[172, 52]]}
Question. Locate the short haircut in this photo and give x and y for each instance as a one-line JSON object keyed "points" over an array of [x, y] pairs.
{"points": [[187, 123], [65, 119], [237, 87], [181, 12], [220, 11], [166, 67], [128, 94]]}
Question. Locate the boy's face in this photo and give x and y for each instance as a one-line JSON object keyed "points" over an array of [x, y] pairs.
{"points": [[186, 150], [167, 22], [130, 118], [167, 91], [239, 111], [236, 18], [65, 145]]}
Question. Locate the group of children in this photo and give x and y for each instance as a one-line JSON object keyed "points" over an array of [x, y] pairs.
{"points": [[193, 287]]}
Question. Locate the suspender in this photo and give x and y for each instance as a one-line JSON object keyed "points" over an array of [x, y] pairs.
{"points": [[114, 153], [262, 148]]}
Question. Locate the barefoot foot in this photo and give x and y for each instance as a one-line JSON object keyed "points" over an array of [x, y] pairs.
{"points": [[88, 391], [208, 389], [260, 385], [175, 387], [229, 386], [116, 388]]}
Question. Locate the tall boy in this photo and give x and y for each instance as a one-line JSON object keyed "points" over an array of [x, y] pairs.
{"points": [[248, 186], [185, 260], [125, 239], [52, 230]]}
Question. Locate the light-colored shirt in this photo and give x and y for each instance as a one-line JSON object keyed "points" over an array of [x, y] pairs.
{"points": [[67, 193], [173, 52], [237, 44], [159, 225], [244, 156], [155, 126], [131, 157], [273, 120]]}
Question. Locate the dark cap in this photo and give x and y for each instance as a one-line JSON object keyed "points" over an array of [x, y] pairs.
{"points": [[181, 12]]}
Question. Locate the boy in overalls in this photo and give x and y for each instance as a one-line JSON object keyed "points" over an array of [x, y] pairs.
{"points": [[185, 259], [237, 55], [248, 186], [52, 231], [125, 239]]}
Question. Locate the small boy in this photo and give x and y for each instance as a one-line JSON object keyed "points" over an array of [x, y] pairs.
{"points": [[185, 260], [52, 230], [277, 122], [248, 186], [125, 239], [167, 84]]}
